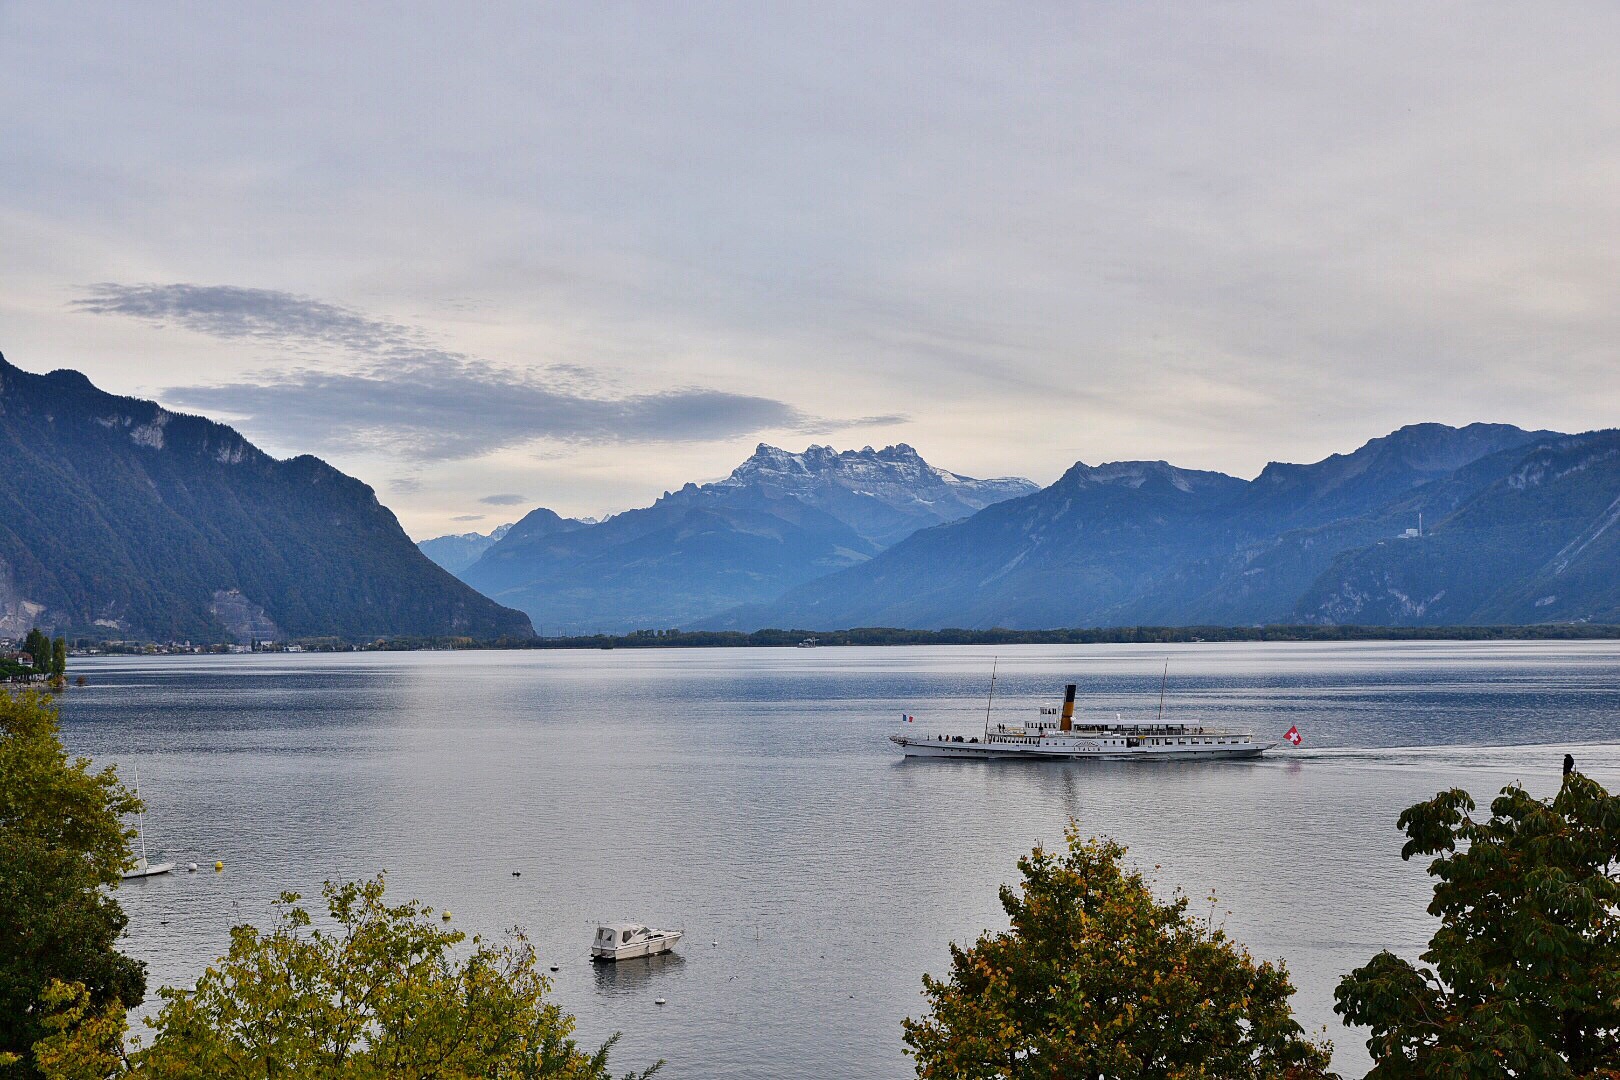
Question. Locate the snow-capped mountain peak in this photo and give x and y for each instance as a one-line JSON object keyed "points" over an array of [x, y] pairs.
{"points": [[884, 494]]}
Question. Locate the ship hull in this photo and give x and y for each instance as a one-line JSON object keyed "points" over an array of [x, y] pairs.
{"points": [[935, 748], [653, 946]]}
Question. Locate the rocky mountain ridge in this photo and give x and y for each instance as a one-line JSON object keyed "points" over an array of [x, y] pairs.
{"points": [[457, 551], [1132, 543], [884, 495], [121, 519], [779, 519]]}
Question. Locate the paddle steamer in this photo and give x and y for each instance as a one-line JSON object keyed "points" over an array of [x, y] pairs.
{"points": [[1056, 734]]}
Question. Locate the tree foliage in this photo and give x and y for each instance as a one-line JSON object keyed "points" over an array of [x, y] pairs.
{"points": [[38, 647], [1096, 977], [61, 841], [1524, 975], [377, 992]]}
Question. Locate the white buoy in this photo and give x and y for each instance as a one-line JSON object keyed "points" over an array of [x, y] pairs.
{"points": [[191, 867], [658, 1001]]}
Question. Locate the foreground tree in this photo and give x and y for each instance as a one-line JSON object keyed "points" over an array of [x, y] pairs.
{"points": [[381, 993], [61, 842], [1525, 975], [1097, 977]]}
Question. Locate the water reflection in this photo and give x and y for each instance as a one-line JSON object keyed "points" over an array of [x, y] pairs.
{"points": [[636, 973]]}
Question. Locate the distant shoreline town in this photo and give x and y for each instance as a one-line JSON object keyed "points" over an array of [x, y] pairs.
{"points": [[867, 636]]}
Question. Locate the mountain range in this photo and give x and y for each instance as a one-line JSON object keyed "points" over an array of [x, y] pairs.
{"points": [[1430, 525], [460, 550], [778, 520], [121, 519]]}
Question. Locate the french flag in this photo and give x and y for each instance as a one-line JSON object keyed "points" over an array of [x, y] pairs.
{"points": [[907, 718]]}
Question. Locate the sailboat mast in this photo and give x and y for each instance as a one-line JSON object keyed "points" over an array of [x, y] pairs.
{"points": [[140, 815], [1163, 682], [993, 662]]}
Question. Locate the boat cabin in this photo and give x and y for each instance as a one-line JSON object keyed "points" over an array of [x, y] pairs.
{"points": [[1049, 724], [618, 935]]}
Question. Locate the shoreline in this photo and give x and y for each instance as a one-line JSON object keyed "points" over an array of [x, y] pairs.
{"points": [[870, 636]]}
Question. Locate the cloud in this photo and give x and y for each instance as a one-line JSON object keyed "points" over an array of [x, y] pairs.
{"points": [[424, 403], [468, 517], [1217, 233], [504, 500], [231, 312], [452, 409]]}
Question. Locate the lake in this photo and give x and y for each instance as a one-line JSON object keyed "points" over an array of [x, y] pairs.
{"points": [[750, 796]]}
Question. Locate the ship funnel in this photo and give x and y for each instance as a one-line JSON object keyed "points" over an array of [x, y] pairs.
{"points": [[1068, 707]]}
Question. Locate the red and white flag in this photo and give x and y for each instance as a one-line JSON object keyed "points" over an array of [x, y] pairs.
{"points": [[1294, 736]]}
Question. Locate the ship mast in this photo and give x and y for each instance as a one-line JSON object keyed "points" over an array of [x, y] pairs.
{"points": [[993, 662], [140, 817]]}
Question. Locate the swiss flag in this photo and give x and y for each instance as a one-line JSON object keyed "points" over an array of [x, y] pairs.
{"points": [[1294, 736]]}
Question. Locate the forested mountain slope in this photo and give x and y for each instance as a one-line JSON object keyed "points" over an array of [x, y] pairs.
{"points": [[120, 519]]}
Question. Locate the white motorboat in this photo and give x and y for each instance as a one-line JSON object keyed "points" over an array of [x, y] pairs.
{"points": [[622, 941], [141, 867], [1057, 734]]}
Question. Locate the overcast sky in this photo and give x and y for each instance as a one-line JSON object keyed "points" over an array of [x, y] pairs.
{"points": [[487, 257]]}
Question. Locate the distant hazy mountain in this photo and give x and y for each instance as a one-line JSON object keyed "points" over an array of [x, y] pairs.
{"points": [[1540, 542], [458, 551], [120, 519], [1146, 543], [884, 495], [1286, 528], [1094, 539], [778, 520]]}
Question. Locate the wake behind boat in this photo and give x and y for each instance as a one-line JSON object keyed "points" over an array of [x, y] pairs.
{"points": [[1055, 734]]}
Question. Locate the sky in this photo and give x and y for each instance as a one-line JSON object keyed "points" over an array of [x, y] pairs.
{"points": [[497, 256]]}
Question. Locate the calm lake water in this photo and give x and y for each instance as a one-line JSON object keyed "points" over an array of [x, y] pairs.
{"points": [[750, 796]]}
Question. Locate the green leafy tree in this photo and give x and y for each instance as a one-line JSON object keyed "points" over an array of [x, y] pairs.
{"points": [[38, 647], [59, 658], [1524, 975], [379, 993], [61, 842], [82, 1041], [1096, 977]]}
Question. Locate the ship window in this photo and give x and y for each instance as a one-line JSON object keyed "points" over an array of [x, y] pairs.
{"points": [[626, 936]]}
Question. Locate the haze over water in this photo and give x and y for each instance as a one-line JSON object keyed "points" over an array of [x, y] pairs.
{"points": [[750, 797]]}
